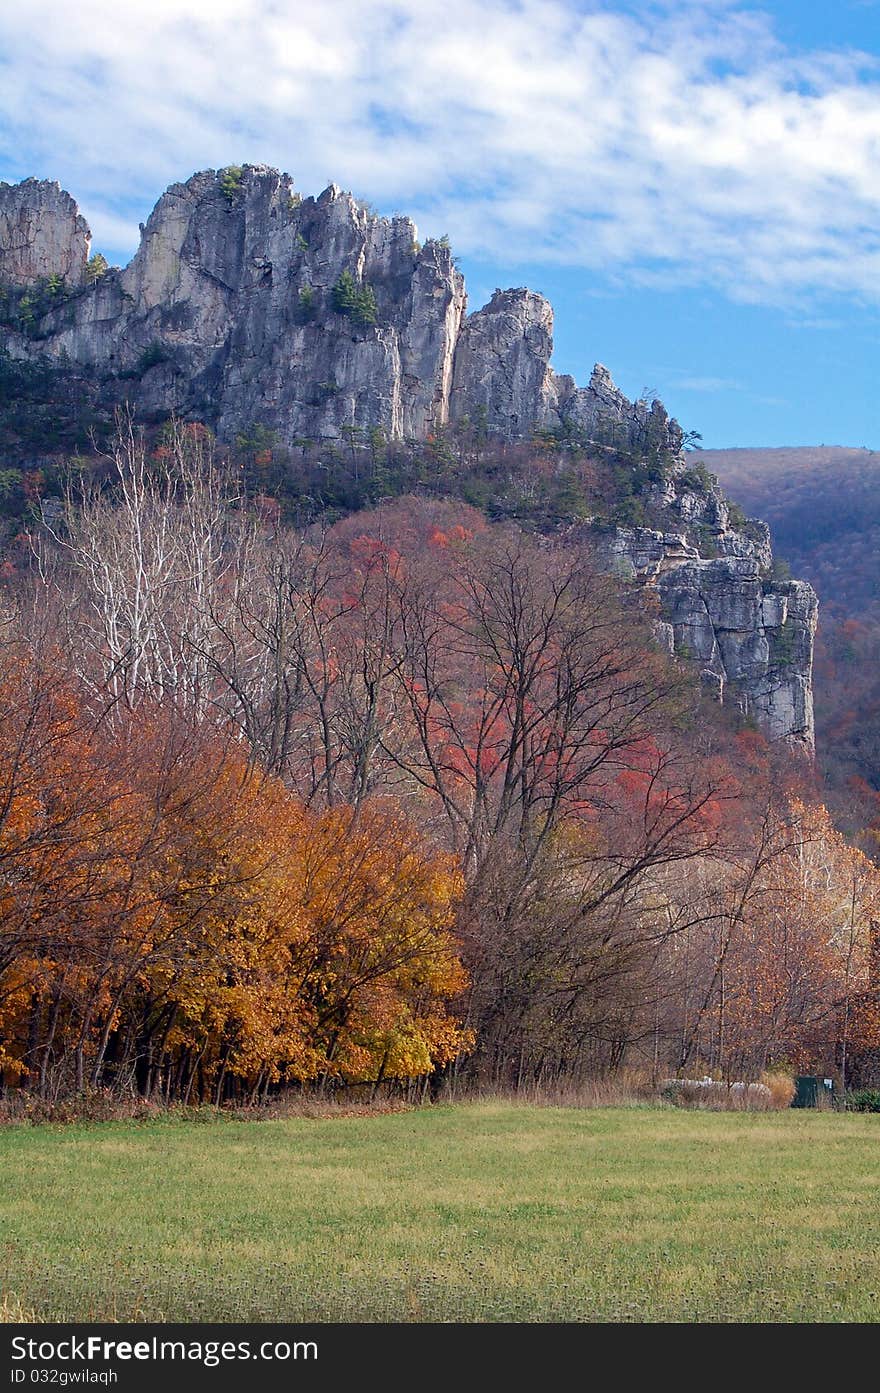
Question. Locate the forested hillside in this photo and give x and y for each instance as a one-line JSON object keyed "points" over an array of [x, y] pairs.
{"points": [[411, 795]]}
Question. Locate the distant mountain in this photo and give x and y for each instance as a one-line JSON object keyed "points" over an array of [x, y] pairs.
{"points": [[823, 506]]}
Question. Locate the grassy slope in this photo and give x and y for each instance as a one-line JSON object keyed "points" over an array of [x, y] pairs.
{"points": [[485, 1212]]}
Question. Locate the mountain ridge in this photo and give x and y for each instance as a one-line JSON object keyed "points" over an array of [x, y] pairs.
{"points": [[313, 318], [235, 305]]}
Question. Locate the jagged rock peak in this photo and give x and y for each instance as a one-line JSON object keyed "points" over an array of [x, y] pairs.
{"points": [[233, 309], [502, 364], [42, 234]]}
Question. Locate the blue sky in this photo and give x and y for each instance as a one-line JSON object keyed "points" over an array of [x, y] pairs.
{"points": [[694, 185]]}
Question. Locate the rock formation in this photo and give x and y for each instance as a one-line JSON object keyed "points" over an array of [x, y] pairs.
{"points": [[750, 636], [313, 317], [228, 310], [42, 234]]}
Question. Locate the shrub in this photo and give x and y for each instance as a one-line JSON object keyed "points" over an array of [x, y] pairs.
{"points": [[630, 512], [781, 1086], [306, 303], [706, 540], [344, 295], [22, 307], [153, 354], [780, 573], [230, 182], [10, 482], [697, 478], [783, 645], [864, 1100], [96, 268], [357, 301]]}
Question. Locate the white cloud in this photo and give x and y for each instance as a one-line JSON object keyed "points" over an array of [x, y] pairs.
{"points": [[670, 140]]}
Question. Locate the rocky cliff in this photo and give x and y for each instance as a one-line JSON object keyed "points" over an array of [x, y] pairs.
{"points": [[233, 307], [246, 304], [750, 635], [42, 234]]}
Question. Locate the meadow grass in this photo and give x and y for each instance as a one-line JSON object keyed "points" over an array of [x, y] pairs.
{"points": [[481, 1212]]}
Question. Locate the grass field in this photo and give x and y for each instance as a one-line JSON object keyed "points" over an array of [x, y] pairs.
{"points": [[480, 1212]]}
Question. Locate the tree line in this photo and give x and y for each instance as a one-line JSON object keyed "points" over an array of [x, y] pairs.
{"points": [[410, 799]]}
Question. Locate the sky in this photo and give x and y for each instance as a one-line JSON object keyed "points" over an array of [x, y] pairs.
{"points": [[695, 185]]}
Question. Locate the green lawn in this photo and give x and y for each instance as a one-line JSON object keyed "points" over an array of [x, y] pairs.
{"points": [[481, 1212]]}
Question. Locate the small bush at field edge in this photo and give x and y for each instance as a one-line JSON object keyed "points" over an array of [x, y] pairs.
{"points": [[864, 1100]]}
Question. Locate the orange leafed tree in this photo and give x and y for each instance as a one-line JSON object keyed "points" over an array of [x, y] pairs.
{"points": [[175, 921]]}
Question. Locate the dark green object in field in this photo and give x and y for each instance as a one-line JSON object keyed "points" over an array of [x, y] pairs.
{"points": [[809, 1088]]}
